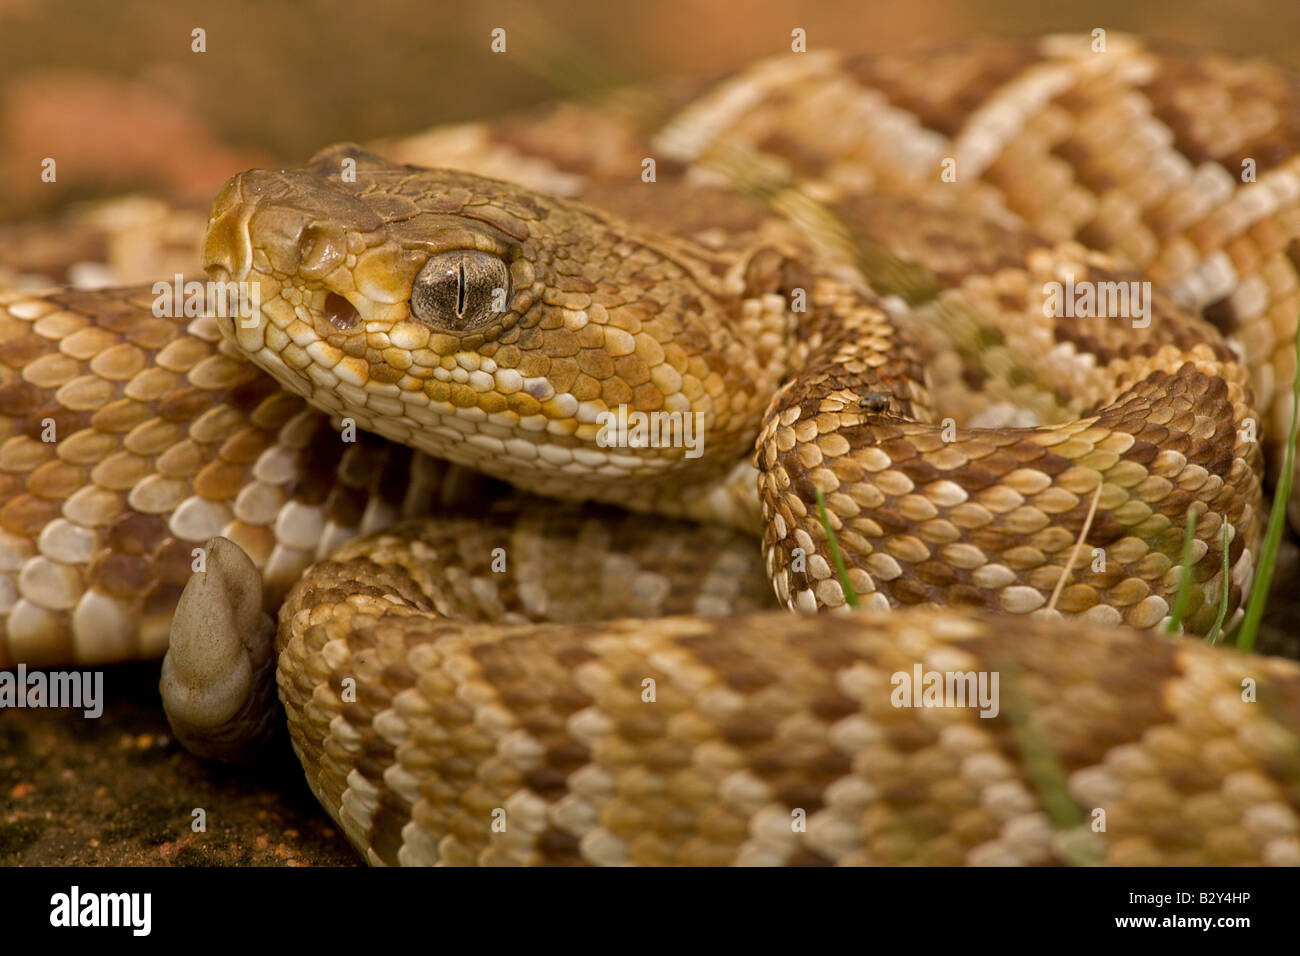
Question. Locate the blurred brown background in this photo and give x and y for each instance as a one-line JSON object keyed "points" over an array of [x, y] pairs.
{"points": [[113, 92]]}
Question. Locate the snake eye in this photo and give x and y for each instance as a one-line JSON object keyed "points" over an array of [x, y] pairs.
{"points": [[460, 290]]}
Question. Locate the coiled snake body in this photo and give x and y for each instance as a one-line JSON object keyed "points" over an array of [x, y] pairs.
{"points": [[838, 273]]}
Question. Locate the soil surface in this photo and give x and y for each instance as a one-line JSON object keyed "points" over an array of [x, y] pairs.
{"points": [[119, 791]]}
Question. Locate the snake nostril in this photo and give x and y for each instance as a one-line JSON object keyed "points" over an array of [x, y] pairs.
{"points": [[341, 313]]}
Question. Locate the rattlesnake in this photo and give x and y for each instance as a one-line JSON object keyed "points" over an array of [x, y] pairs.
{"points": [[842, 266]]}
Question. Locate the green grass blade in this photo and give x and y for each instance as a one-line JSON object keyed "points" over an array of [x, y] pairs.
{"points": [[1047, 775], [850, 595], [1213, 636], [1276, 521], [1185, 579]]}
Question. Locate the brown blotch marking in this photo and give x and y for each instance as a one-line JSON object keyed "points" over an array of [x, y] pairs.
{"points": [[806, 857], [185, 405], [994, 540], [1189, 386], [763, 275], [1084, 739], [392, 479], [805, 793], [730, 661], [965, 594], [562, 759], [11, 486], [572, 656], [160, 600], [373, 696], [641, 724], [320, 457], [1022, 453], [173, 561], [568, 755], [1044, 459], [921, 471], [899, 448], [20, 399], [908, 735], [804, 162], [385, 374], [121, 575], [935, 573], [748, 730], [260, 387], [28, 514], [559, 848], [832, 706], [1221, 314], [887, 517], [375, 759], [56, 479], [244, 447], [1176, 90], [547, 782], [88, 302], [1293, 253], [985, 69], [1079, 157], [219, 481], [510, 677], [908, 590], [346, 506], [644, 280], [974, 478], [390, 816], [796, 785], [826, 651], [135, 532], [1143, 453], [401, 675], [1004, 461], [22, 349], [355, 713], [569, 699]]}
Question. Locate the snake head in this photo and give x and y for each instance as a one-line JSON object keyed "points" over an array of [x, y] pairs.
{"points": [[517, 333]]}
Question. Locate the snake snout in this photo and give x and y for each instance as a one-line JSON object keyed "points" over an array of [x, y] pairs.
{"points": [[227, 245], [285, 220]]}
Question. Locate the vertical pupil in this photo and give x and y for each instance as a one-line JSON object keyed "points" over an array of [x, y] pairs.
{"points": [[460, 288]]}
